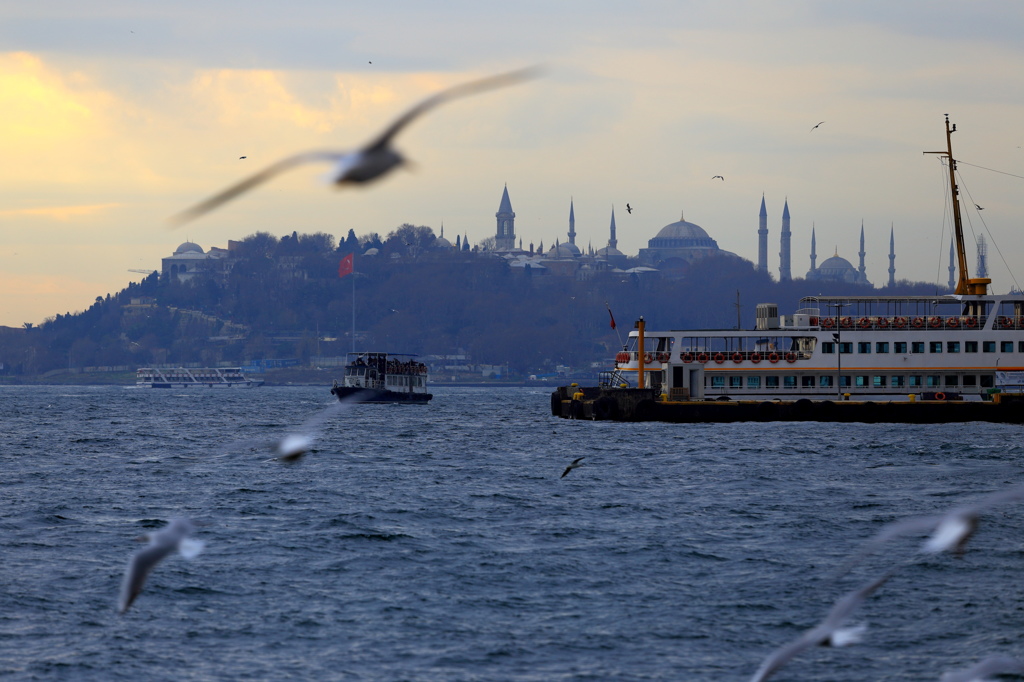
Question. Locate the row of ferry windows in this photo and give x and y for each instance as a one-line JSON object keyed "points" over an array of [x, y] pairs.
{"points": [[919, 346], [856, 381]]}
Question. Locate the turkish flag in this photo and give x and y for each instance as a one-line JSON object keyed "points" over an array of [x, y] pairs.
{"points": [[611, 316], [345, 266]]}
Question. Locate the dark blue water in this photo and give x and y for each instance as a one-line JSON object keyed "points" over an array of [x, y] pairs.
{"points": [[439, 543]]}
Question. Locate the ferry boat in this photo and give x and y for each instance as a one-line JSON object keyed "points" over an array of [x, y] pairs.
{"points": [[383, 378], [966, 345], [204, 377]]}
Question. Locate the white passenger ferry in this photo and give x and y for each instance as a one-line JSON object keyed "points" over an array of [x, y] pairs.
{"points": [[965, 345], [200, 377], [383, 378]]}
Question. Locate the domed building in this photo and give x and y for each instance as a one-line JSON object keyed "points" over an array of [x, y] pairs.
{"points": [[837, 268], [679, 244], [189, 261]]}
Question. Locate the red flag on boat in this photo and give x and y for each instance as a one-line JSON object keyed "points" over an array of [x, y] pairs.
{"points": [[345, 266], [610, 314]]}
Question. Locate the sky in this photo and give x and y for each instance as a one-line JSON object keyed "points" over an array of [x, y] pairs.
{"points": [[117, 114]]}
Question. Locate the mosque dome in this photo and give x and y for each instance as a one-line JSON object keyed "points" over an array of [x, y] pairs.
{"points": [[836, 264], [565, 250], [442, 243], [188, 247], [682, 235]]}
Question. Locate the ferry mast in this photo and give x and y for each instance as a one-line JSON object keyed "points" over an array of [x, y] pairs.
{"points": [[965, 285]]}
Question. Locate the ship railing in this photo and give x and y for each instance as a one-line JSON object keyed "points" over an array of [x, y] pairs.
{"points": [[719, 357], [917, 322]]}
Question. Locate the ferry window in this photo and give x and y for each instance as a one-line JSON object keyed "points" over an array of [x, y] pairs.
{"points": [[915, 381], [753, 382], [988, 346], [882, 347], [863, 346], [952, 380], [970, 346], [717, 382], [861, 381], [878, 381], [825, 381], [771, 382], [952, 346], [807, 382], [789, 381], [735, 382], [970, 380], [987, 381], [846, 347], [844, 381], [828, 347], [899, 347], [917, 346], [1006, 347], [896, 381], [932, 381], [1020, 346], [935, 346]]}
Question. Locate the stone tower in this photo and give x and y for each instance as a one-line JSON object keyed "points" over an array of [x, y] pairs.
{"points": [[505, 238], [762, 239], [892, 257], [861, 269], [784, 271]]}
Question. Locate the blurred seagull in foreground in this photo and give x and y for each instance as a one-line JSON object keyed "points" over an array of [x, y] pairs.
{"points": [[826, 633], [979, 672], [362, 165], [575, 464], [173, 537], [290, 447], [949, 531]]}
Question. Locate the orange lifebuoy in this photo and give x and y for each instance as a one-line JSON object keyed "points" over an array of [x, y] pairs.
{"points": [[828, 322], [864, 322], [940, 396], [790, 357], [971, 322], [622, 356], [773, 358], [882, 323], [686, 357], [935, 322], [917, 323], [899, 322], [755, 358], [1005, 322], [846, 322], [663, 357], [702, 358], [737, 358], [648, 358], [719, 358], [814, 321], [952, 322]]}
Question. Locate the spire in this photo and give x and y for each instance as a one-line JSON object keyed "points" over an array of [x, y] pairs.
{"points": [[862, 277], [892, 256], [982, 256], [506, 203], [572, 224], [505, 237], [814, 253], [784, 271], [762, 238], [785, 210], [612, 241]]}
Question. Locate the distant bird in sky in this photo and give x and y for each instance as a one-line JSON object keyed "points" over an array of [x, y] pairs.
{"points": [[362, 165], [719, 177], [575, 464], [827, 633], [241, 157], [978, 207], [818, 124], [980, 672], [629, 209], [172, 538]]}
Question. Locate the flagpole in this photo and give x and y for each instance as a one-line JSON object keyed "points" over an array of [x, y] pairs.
{"points": [[353, 310]]}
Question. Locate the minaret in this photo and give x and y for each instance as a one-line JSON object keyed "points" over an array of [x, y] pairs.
{"points": [[505, 238], [814, 255], [762, 239], [952, 268], [862, 277], [892, 257], [784, 274], [982, 256], [613, 243], [572, 224]]}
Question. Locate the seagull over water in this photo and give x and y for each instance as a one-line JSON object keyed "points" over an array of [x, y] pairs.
{"points": [[298, 441], [827, 633], [172, 538], [575, 464], [368, 163], [980, 672]]}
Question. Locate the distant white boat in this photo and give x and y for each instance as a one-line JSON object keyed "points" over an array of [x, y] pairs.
{"points": [[201, 377]]}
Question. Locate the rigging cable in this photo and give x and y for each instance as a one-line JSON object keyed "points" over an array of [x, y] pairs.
{"points": [[985, 225]]}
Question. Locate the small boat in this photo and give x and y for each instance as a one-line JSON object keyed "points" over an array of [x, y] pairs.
{"points": [[383, 378], [201, 377]]}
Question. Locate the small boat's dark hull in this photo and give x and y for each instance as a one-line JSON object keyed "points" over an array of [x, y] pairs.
{"points": [[373, 395]]}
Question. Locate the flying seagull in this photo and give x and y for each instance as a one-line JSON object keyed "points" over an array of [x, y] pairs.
{"points": [[979, 207], [979, 672], [241, 157], [293, 445], [629, 209], [575, 464], [818, 124], [173, 537], [368, 163], [719, 177], [826, 633], [948, 531]]}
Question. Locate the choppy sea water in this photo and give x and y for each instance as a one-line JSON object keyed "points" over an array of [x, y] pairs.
{"points": [[440, 543]]}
